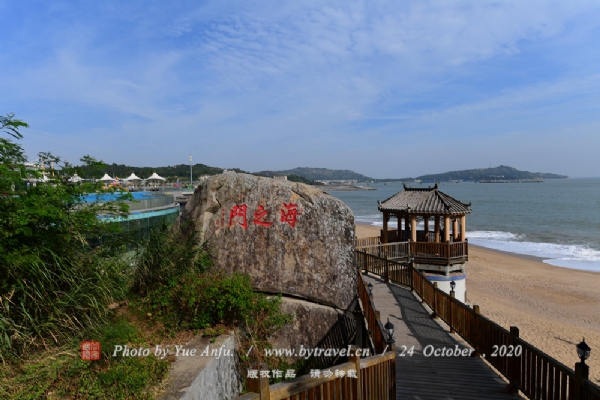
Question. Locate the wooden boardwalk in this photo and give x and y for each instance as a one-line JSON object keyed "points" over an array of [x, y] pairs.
{"points": [[437, 378]]}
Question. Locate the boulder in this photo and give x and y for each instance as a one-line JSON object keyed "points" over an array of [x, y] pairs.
{"points": [[314, 326], [291, 238]]}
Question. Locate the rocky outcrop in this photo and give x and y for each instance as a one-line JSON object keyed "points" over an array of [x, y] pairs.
{"points": [[290, 237], [314, 326]]}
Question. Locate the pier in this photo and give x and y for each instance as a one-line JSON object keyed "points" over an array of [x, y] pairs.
{"points": [[421, 377]]}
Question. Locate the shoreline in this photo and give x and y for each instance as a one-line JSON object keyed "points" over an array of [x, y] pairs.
{"points": [[553, 307]]}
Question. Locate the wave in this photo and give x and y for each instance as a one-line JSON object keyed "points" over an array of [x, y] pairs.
{"points": [[572, 256]]}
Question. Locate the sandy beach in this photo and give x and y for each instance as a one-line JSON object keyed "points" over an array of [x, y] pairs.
{"points": [[553, 307]]}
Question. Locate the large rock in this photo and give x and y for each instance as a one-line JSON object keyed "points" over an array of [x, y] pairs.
{"points": [[315, 326], [290, 237]]}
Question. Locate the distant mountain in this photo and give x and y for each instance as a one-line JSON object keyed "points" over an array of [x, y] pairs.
{"points": [[502, 172], [323, 174]]}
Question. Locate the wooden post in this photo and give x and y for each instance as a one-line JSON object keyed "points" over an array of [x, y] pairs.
{"points": [[386, 278], [455, 229], [446, 228], [413, 227], [436, 227], [426, 227], [475, 332], [582, 371], [384, 238], [356, 360], [463, 228], [514, 363], [451, 311], [434, 305], [260, 385]]}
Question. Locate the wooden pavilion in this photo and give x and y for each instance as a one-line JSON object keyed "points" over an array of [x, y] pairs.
{"points": [[439, 249]]}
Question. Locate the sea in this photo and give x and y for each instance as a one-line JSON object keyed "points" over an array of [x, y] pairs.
{"points": [[556, 220]]}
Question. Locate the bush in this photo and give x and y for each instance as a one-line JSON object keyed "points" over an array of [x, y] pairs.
{"points": [[52, 282]]}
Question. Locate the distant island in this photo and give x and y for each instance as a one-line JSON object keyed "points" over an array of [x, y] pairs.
{"points": [[502, 173]]}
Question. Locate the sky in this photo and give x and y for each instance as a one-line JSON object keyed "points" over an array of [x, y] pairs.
{"points": [[387, 89]]}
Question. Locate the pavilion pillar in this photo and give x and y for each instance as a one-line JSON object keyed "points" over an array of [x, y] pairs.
{"points": [[455, 229], [413, 227], [446, 228], [426, 227], [384, 238], [436, 227], [463, 227]]}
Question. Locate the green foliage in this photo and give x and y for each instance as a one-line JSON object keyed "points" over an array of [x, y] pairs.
{"points": [[62, 374], [178, 288], [166, 256], [52, 282]]}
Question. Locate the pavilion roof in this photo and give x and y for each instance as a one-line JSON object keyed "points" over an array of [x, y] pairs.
{"points": [[424, 201]]}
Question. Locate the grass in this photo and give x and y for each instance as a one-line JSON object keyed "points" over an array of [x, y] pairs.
{"points": [[59, 372]]}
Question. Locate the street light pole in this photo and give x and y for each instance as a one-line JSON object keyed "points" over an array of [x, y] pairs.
{"points": [[191, 180]]}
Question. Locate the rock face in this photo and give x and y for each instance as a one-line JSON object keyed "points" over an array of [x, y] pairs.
{"points": [[290, 237], [314, 326]]}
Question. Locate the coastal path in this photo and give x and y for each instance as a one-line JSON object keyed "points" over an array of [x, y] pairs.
{"points": [[422, 377]]}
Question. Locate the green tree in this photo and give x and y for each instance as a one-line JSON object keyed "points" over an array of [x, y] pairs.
{"points": [[60, 265], [91, 166]]}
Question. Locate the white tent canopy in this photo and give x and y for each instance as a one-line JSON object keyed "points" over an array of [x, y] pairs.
{"points": [[132, 177], [75, 178], [156, 177], [106, 177]]}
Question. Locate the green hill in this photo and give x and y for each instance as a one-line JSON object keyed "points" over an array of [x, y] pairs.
{"points": [[323, 174], [502, 172], [171, 172]]}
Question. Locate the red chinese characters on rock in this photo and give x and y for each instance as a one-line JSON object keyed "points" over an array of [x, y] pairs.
{"points": [[238, 216], [289, 214], [259, 214], [238, 213]]}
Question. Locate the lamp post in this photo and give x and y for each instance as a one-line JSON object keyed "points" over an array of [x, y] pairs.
{"points": [[370, 289], [191, 179], [452, 286], [389, 328], [582, 371]]}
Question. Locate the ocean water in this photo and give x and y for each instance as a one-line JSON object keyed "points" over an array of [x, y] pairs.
{"points": [[557, 220]]}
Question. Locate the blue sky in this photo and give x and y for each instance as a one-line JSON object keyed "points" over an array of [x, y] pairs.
{"points": [[387, 89]]}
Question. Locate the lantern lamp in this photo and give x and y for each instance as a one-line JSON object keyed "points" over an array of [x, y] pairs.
{"points": [[583, 351], [389, 328]]}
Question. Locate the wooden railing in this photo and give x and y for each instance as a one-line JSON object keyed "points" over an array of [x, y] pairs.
{"points": [[369, 241], [389, 250], [528, 369], [435, 253], [375, 380], [372, 318]]}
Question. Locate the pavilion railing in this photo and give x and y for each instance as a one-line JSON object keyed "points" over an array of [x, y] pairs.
{"points": [[528, 369]]}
